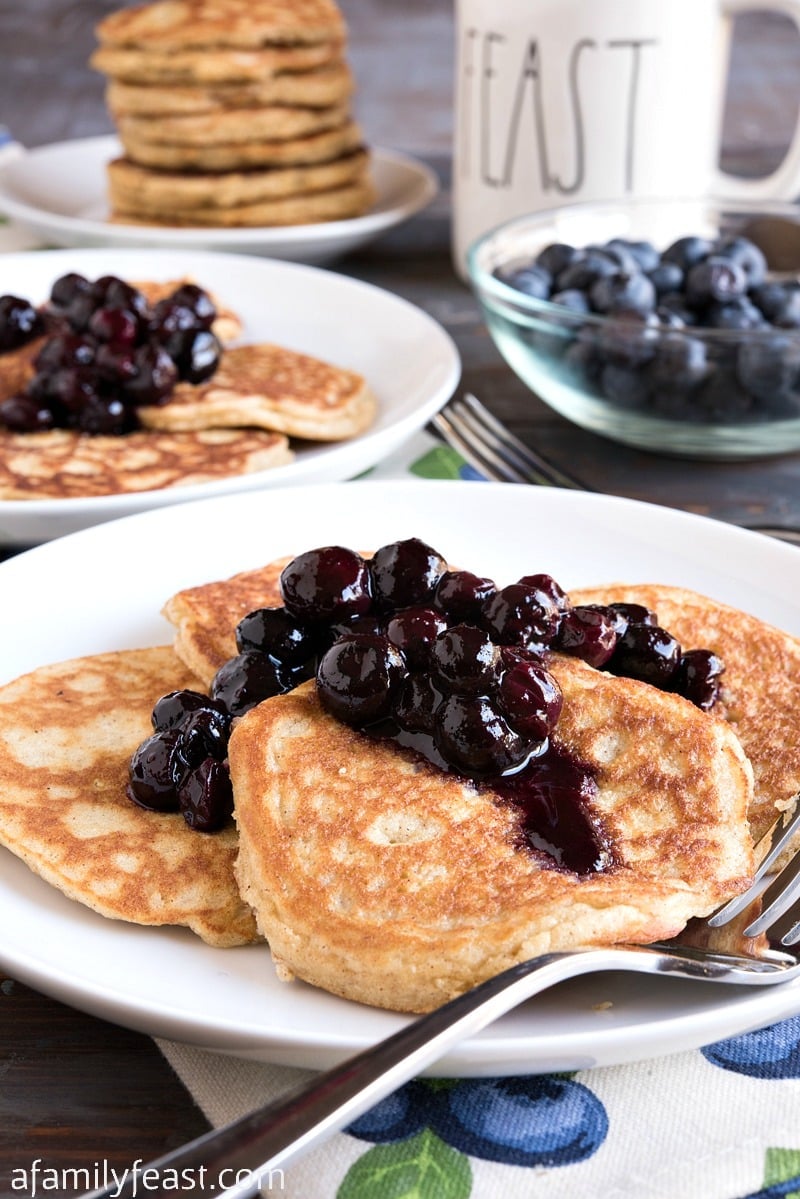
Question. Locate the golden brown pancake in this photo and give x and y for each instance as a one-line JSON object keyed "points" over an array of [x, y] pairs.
{"points": [[213, 23], [308, 89], [334, 204], [760, 696], [145, 191], [381, 879], [66, 735], [16, 367], [205, 617], [271, 152], [271, 387], [152, 65], [64, 464], [231, 127]]}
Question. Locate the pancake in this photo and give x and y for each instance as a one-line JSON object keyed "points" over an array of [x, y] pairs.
{"points": [[67, 732], [141, 190], [335, 204], [16, 367], [310, 89], [64, 464], [205, 617], [312, 148], [232, 127], [385, 881], [271, 387], [181, 67], [212, 23], [760, 695]]}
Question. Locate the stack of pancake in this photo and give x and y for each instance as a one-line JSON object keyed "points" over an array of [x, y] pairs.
{"points": [[232, 113]]}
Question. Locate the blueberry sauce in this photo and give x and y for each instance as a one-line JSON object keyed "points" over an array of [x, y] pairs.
{"points": [[444, 664]]}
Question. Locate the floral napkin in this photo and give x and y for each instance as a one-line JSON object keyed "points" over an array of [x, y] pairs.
{"points": [[722, 1122]]}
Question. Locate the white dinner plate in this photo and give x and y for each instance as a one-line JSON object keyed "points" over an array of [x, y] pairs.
{"points": [[409, 361], [102, 589], [59, 193]]}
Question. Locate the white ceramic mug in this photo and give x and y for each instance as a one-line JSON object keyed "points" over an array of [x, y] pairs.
{"points": [[565, 100]]}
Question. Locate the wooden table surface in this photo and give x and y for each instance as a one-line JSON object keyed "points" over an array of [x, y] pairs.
{"points": [[76, 1091]]}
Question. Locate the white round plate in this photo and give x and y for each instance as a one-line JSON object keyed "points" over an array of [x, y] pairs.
{"points": [[59, 192], [408, 360], [110, 583]]}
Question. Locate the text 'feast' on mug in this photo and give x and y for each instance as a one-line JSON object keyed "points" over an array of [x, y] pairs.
{"points": [[559, 101]]}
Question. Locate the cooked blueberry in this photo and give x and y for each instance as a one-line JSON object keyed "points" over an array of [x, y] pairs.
{"points": [[104, 415], [632, 614], [204, 734], [246, 680], [156, 771], [474, 737], [275, 632], [156, 376], [589, 633], [25, 414], [172, 709], [646, 652], [205, 799], [465, 660], [358, 677], [72, 388], [199, 357], [405, 573], [521, 615], [67, 288], [413, 630], [327, 584], [698, 677], [545, 582], [19, 322], [116, 325], [415, 704], [65, 349], [197, 301], [529, 695], [111, 292], [460, 594]]}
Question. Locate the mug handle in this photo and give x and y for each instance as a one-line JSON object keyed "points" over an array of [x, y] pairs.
{"points": [[784, 182]]}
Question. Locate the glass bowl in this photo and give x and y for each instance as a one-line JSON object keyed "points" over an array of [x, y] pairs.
{"points": [[656, 381]]}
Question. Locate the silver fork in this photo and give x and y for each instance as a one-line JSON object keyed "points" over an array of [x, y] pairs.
{"points": [[495, 452], [265, 1140]]}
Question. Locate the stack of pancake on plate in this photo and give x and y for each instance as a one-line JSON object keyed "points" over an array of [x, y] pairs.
{"points": [[232, 114], [372, 874]]}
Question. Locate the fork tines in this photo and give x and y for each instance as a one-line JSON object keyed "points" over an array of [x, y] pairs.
{"points": [[493, 450], [778, 890]]}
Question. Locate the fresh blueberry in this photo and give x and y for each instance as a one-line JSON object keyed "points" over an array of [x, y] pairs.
{"points": [[623, 292], [585, 271], [688, 251], [557, 257], [680, 363], [769, 367], [738, 313], [747, 254], [666, 277], [624, 385], [576, 301], [532, 281], [715, 280], [644, 253]]}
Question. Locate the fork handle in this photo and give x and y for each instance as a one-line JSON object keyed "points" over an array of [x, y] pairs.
{"points": [[237, 1155]]}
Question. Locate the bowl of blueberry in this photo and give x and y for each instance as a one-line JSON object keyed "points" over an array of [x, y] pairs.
{"points": [[668, 325]]}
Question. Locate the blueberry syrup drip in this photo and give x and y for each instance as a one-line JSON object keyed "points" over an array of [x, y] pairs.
{"points": [[443, 663]]}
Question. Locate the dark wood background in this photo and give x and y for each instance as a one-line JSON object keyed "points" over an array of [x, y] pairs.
{"points": [[74, 1090]]}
